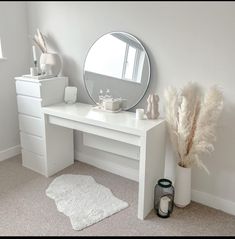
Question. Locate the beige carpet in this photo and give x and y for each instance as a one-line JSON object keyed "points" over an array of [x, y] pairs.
{"points": [[25, 209]]}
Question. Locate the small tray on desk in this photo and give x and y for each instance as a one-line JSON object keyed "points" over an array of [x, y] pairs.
{"points": [[39, 77], [99, 108]]}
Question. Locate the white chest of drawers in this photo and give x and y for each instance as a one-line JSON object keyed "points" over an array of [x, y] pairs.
{"points": [[32, 95]]}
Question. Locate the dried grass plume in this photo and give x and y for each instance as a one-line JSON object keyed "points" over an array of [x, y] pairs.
{"points": [[40, 41], [191, 118]]}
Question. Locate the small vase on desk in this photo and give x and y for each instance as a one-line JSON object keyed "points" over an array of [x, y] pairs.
{"points": [[152, 106], [182, 186]]}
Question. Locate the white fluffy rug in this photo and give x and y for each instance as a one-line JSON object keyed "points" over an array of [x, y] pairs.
{"points": [[83, 200]]}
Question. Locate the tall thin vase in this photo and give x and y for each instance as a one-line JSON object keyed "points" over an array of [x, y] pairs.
{"points": [[182, 186]]}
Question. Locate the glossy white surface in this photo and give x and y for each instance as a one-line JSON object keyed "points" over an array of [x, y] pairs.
{"points": [[29, 106], [28, 88], [123, 121], [34, 80], [31, 125], [33, 161], [32, 143]]}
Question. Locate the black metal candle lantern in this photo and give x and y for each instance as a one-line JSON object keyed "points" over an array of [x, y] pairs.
{"points": [[164, 198]]}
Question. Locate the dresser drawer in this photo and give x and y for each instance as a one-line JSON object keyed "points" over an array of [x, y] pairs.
{"points": [[33, 161], [29, 106], [31, 125], [32, 143], [28, 88]]}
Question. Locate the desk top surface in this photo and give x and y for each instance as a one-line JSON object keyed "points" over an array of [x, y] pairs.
{"points": [[122, 121], [37, 79]]}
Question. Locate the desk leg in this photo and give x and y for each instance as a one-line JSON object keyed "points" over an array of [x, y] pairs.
{"points": [[151, 168], [59, 148]]}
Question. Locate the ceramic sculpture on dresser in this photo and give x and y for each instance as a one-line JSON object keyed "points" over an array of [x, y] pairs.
{"points": [[191, 118], [152, 106]]}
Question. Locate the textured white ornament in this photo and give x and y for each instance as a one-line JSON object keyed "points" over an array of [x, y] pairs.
{"points": [[152, 106]]}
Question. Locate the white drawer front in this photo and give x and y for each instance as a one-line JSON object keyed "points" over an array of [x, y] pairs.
{"points": [[33, 161], [29, 106], [28, 88], [32, 143], [31, 125]]}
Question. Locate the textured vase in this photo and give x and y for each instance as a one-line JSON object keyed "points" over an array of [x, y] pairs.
{"points": [[50, 63], [152, 106], [182, 186]]}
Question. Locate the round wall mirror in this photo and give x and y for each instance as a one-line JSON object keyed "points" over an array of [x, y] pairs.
{"points": [[118, 63]]}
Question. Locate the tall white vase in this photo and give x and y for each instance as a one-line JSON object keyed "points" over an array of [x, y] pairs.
{"points": [[182, 186]]}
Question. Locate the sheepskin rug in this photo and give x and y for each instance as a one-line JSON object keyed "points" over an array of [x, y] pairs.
{"points": [[83, 200]]}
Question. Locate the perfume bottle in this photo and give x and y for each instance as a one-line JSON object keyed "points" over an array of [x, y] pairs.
{"points": [[107, 94], [101, 97]]}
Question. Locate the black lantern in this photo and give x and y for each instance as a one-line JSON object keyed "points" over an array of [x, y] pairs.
{"points": [[164, 198]]}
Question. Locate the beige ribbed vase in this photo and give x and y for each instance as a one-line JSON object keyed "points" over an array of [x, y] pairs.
{"points": [[182, 186]]}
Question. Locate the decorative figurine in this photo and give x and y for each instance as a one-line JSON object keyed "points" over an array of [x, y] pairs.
{"points": [[152, 107]]}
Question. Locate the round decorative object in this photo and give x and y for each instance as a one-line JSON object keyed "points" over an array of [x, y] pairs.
{"points": [[164, 198], [50, 64], [119, 62], [182, 186]]}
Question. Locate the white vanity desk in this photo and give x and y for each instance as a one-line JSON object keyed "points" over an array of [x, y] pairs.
{"points": [[148, 135]]}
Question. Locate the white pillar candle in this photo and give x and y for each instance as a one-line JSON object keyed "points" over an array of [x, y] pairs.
{"points": [[34, 54], [164, 205], [33, 71], [139, 114]]}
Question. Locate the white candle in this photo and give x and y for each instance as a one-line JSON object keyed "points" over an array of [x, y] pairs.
{"points": [[139, 114], [164, 205], [34, 54]]}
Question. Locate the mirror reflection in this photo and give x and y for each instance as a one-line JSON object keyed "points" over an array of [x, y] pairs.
{"points": [[117, 62]]}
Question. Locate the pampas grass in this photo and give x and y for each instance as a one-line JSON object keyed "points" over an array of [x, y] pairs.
{"points": [[191, 119], [39, 40]]}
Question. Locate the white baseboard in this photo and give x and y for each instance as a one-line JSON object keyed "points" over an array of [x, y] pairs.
{"points": [[10, 152], [214, 202], [108, 165]]}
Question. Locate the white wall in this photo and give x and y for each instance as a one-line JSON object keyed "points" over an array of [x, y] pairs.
{"points": [[185, 41], [13, 32]]}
